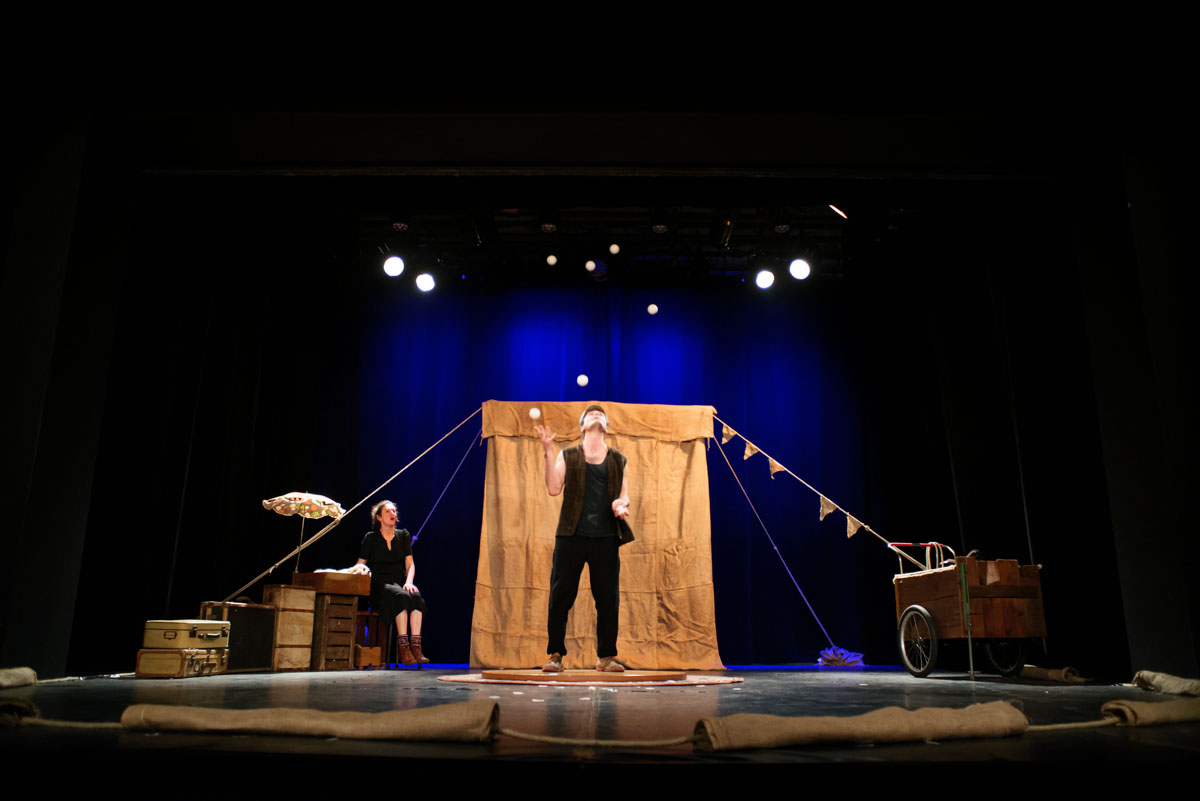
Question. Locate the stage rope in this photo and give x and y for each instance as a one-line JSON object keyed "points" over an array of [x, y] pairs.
{"points": [[774, 546], [820, 494], [543, 738], [477, 438], [346, 514]]}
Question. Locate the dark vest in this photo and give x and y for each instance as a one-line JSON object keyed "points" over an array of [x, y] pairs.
{"points": [[574, 484]]}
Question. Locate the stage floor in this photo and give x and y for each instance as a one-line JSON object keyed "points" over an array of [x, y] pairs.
{"points": [[608, 713]]}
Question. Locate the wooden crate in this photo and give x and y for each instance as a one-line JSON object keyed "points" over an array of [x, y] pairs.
{"points": [[365, 656], [1005, 598], [293, 625], [333, 632], [334, 583]]}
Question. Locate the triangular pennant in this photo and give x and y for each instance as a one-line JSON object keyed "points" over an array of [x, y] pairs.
{"points": [[852, 526], [750, 451], [727, 433], [775, 467], [826, 506]]}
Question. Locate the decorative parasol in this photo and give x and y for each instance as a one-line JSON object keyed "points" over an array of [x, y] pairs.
{"points": [[307, 505]]}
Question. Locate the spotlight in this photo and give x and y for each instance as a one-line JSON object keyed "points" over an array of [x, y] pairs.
{"points": [[393, 265], [799, 269], [659, 228], [589, 265], [839, 211], [614, 248], [400, 225], [425, 282], [552, 260], [764, 279]]}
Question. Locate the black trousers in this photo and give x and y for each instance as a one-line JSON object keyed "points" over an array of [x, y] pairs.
{"points": [[604, 564]]}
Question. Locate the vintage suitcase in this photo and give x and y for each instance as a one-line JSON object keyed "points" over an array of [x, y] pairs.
{"points": [[177, 634], [293, 625], [334, 583], [179, 663], [251, 633], [333, 632]]}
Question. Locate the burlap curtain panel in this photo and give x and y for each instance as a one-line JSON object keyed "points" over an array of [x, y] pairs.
{"points": [[667, 610]]}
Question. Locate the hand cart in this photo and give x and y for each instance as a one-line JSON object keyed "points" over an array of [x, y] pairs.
{"points": [[955, 597]]}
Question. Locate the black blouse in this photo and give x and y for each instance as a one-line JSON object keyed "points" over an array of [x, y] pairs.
{"points": [[387, 566]]}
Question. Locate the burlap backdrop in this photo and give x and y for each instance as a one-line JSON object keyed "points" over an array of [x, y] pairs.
{"points": [[667, 613]]}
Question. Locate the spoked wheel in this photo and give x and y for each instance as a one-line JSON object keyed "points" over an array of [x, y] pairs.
{"points": [[917, 639], [1007, 656]]}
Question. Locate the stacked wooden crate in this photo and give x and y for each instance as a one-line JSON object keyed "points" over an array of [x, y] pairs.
{"points": [[334, 616], [294, 608]]}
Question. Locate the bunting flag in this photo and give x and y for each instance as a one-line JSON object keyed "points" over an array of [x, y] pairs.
{"points": [[852, 526], [750, 451], [775, 467], [727, 433], [826, 506]]}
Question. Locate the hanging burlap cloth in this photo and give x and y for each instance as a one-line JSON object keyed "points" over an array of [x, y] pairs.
{"points": [[667, 610]]}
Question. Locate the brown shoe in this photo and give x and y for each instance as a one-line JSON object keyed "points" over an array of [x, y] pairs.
{"points": [[404, 653], [414, 645], [609, 664], [553, 664]]}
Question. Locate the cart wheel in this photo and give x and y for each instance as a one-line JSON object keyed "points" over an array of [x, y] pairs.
{"points": [[1007, 656], [917, 639]]}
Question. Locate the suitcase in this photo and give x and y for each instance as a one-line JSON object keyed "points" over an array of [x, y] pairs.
{"points": [[178, 663], [293, 625], [190, 634], [251, 633]]}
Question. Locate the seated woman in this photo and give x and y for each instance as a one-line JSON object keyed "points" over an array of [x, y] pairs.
{"points": [[388, 552]]}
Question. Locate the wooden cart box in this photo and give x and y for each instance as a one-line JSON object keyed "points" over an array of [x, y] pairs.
{"points": [[334, 583], [333, 632], [251, 633], [293, 625], [1005, 598]]}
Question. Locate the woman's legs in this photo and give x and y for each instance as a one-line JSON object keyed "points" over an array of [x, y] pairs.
{"points": [[402, 624], [416, 622]]}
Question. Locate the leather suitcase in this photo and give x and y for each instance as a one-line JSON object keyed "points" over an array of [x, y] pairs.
{"points": [[251, 633], [191, 634], [179, 663]]}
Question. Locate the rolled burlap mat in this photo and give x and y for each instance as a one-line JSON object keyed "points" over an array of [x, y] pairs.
{"points": [[1152, 713], [470, 721], [1166, 683], [888, 725], [1067, 674]]}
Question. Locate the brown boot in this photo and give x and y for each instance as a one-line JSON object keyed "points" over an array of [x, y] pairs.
{"points": [[414, 644], [403, 652]]}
